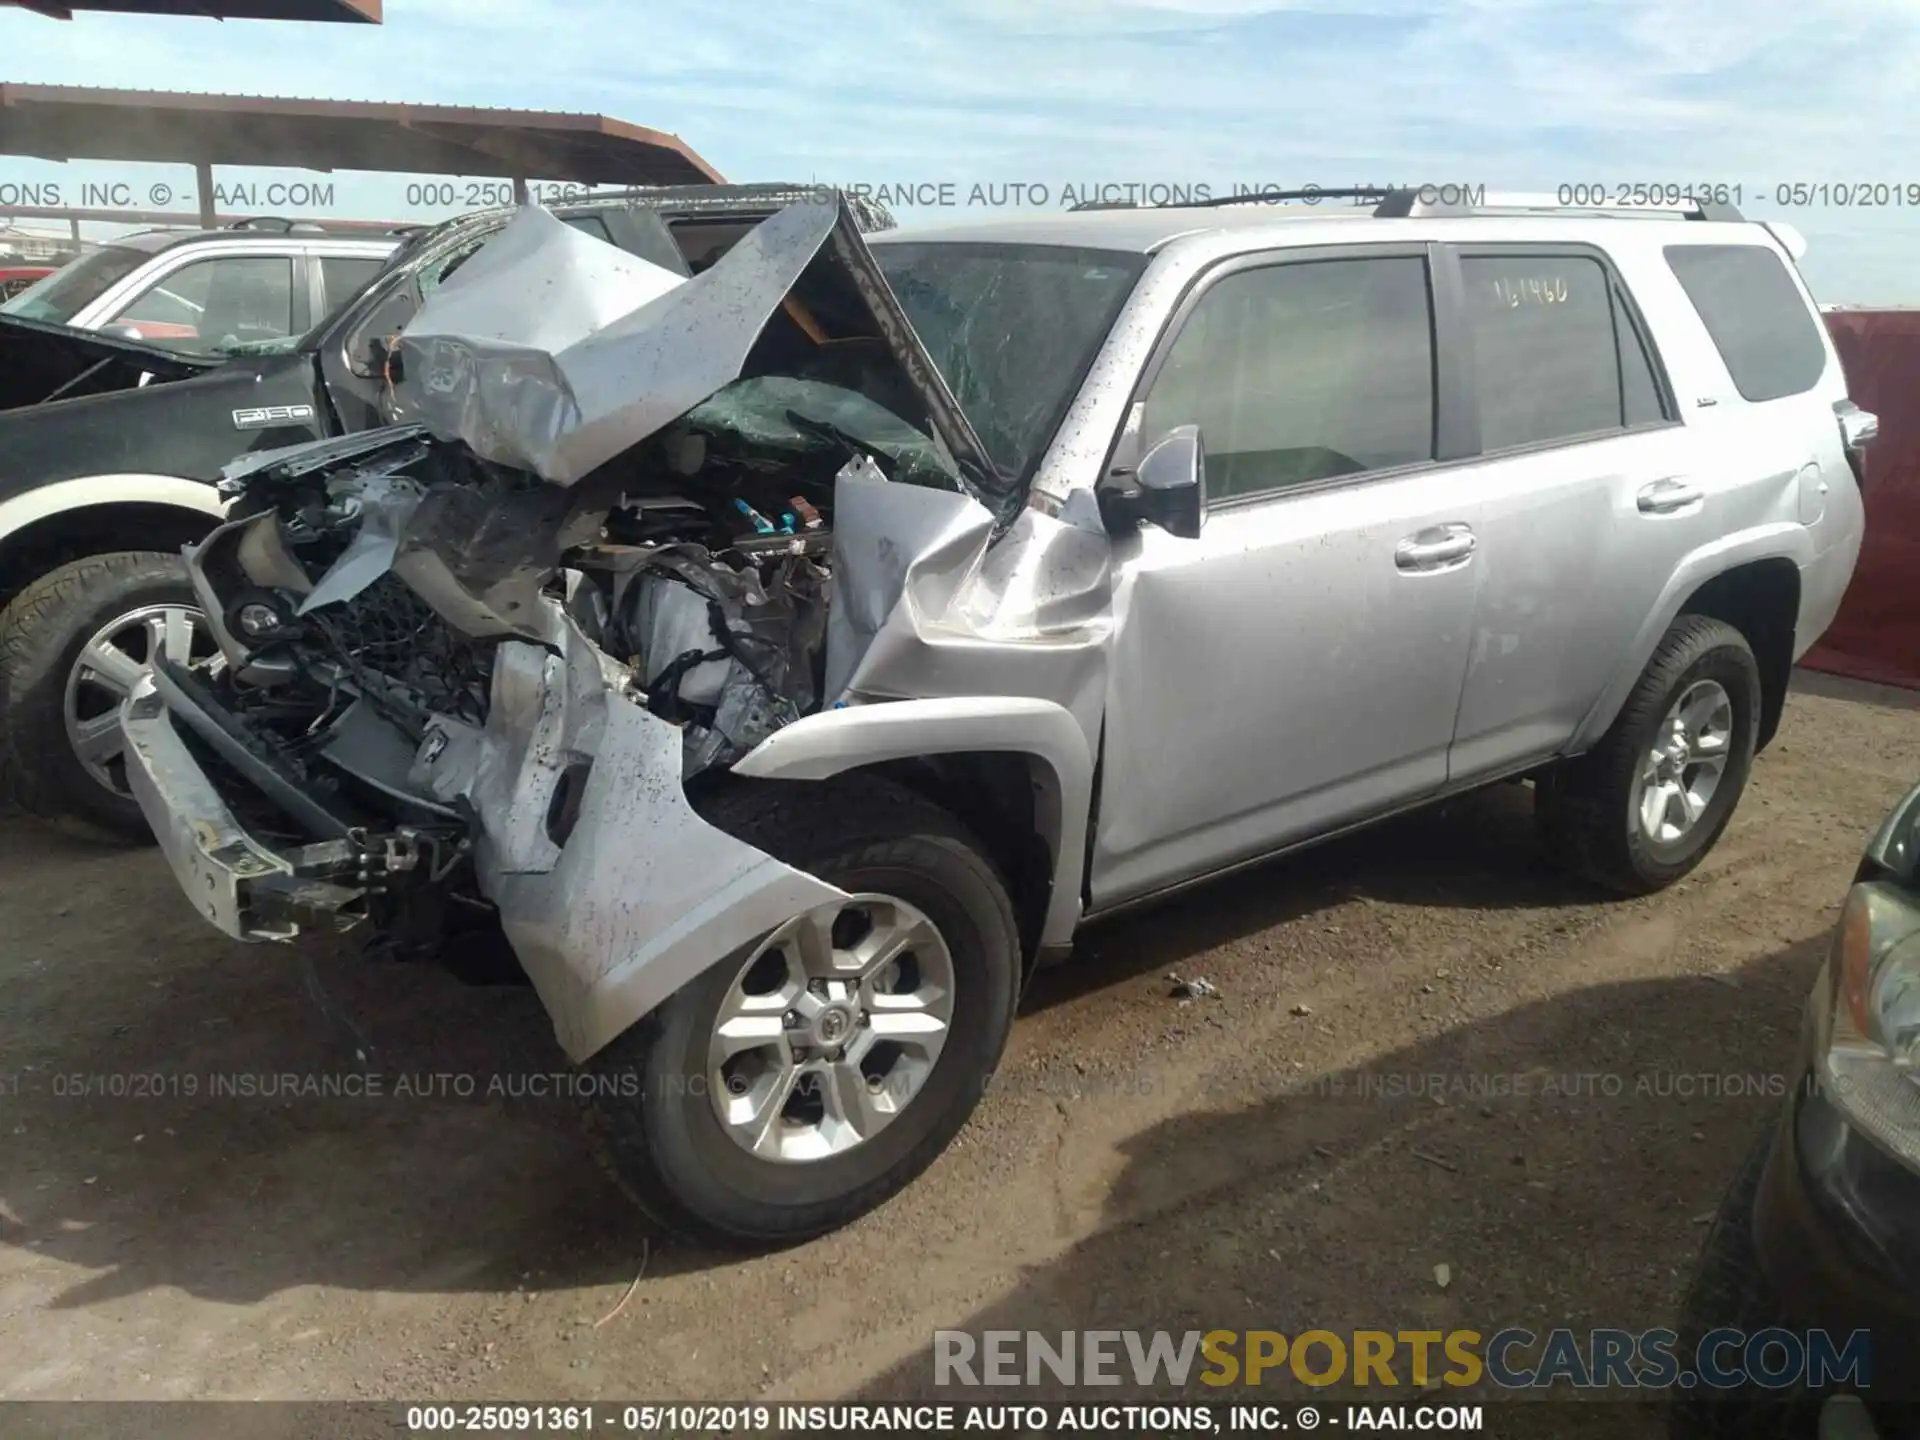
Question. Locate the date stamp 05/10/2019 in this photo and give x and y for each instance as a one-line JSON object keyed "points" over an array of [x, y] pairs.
{"points": [[1789, 194]]}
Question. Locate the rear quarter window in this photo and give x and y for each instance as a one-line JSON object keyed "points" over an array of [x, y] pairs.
{"points": [[1756, 316]]}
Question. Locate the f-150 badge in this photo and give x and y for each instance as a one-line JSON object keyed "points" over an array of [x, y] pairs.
{"points": [[264, 417]]}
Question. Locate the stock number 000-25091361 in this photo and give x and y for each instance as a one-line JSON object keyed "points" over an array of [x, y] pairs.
{"points": [[480, 194], [1652, 192], [584, 1419]]}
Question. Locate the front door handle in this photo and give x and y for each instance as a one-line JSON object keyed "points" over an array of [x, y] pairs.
{"points": [[1439, 547], [1663, 497]]}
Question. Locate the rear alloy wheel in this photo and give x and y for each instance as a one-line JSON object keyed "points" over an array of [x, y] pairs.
{"points": [[1684, 766], [72, 647], [803, 1080], [1642, 807]]}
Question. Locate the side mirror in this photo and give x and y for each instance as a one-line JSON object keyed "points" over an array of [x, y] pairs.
{"points": [[1168, 487]]}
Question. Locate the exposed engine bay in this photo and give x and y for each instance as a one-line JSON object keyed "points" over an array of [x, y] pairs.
{"points": [[717, 609], [702, 584]]}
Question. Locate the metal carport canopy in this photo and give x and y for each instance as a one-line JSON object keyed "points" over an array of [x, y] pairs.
{"points": [[72, 122], [359, 11]]}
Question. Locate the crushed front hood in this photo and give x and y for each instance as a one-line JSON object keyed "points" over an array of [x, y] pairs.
{"points": [[40, 360], [554, 353]]}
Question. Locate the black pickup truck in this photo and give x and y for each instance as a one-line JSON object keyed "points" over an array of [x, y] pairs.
{"points": [[109, 449]]}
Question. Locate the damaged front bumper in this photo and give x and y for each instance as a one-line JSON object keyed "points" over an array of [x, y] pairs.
{"points": [[247, 889], [612, 890]]}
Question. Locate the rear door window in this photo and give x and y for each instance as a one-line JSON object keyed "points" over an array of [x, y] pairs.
{"points": [[213, 305], [589, 225], [344, 276], [1556, 356], [1303, 372], [1756, 315]]}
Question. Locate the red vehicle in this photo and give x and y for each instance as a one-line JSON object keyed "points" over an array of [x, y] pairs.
{"points": [[15, 278]]}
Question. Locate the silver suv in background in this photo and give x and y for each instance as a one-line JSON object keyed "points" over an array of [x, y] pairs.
{"points": [[209, 292], [791, 655]]}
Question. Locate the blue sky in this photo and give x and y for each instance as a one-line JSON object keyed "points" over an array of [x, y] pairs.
{"points": [[1516, 94]]}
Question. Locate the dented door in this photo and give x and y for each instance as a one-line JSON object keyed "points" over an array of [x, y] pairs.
{"points": [[1297, 666]]}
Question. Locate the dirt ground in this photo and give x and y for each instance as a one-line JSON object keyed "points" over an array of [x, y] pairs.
{"points": [[1261, 1159]]}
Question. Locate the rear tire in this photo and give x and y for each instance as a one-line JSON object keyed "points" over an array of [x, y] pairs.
{"points": [[663, 1137], [42, 636], [1595, 813]]}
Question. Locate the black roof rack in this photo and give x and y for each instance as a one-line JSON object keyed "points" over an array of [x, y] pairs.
{"points": [[1252, 197], [1449, 200], [278, 225], [1431, 200]]}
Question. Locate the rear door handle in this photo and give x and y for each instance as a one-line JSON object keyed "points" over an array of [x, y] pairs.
{"points": [[1663, 497], [1439, 547]]}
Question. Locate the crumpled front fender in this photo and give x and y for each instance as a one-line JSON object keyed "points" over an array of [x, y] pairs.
{"points": [[616, 895], [645, 895], [835, 741]]}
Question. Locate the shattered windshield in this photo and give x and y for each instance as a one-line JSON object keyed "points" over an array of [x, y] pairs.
{"points": [[780, 412], [1013, 329], [77, 284]]}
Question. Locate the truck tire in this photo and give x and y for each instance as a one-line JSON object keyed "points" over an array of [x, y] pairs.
{"points": [[1642, 807], [730, 1140], [69, 644]]}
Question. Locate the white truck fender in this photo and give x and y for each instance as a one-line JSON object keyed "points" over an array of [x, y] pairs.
{"points": [[90, 490]]}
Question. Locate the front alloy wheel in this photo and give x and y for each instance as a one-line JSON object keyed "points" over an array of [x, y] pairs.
{"points": [[798, 1083], [115, 659], [831, 1029], [73, 644]]}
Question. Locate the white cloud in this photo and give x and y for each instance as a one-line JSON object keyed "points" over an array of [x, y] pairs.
{"points": [[1527, 93]]}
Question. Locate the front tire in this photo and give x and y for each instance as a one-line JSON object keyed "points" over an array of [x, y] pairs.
{"points": [[72, 645], [1643, 807], [800, 1082]]}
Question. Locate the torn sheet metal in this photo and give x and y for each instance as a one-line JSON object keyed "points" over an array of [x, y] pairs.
{"points": [[484, 363], [476, 545], [481, 554], [547, 708], [931, 599], [484, 360], [645, 894], [385, 504]]}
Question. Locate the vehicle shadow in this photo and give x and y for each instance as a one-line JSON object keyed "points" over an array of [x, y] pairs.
{"points": [[168, 1093], [1476, 852], [1567, 1203]]}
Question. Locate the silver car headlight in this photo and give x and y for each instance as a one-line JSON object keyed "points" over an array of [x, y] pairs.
{"points": [[1870, 1019], [1894, 850]]}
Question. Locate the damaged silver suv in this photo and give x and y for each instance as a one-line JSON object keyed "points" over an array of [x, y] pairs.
{"points": [[788, 658]]}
